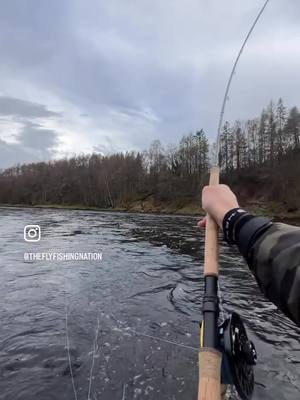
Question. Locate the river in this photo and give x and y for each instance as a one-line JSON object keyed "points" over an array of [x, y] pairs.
{"points": [[128, 324]]}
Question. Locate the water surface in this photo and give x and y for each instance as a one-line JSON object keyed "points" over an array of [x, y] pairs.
{"points": [[147, 286]]}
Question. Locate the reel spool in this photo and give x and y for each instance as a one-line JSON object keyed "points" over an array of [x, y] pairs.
{"points": [[240, 355]]}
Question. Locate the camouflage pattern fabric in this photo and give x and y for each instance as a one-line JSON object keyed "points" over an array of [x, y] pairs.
{"points": [[274, 259]]}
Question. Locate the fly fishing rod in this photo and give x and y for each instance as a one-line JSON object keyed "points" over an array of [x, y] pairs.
{"points": [[226, 355]]}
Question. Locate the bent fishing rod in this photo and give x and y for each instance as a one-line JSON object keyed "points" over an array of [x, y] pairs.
{"points": [[226, 354]]}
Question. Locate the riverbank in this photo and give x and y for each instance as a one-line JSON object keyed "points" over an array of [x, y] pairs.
{"points": [[152, 206]]}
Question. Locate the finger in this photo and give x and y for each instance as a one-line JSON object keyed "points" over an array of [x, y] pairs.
{"points": [[202, 223]]}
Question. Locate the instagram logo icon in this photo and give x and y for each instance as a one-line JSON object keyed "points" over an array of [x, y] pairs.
{"points": [[32, 233]]}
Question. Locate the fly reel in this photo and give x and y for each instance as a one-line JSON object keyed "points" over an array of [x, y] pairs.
{"points": [[239, 356]]}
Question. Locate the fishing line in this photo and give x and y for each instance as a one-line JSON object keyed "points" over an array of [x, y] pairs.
{"points": [[124, 391], [161, 339], [68, 351], [95, 349], [128, 328]]}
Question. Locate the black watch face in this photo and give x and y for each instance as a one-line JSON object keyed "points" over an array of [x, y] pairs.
{"points": [[128, 131]]}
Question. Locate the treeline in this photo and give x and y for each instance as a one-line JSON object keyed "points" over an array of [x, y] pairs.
{"points": [[259, 157], [109, 181], [262, 141]]}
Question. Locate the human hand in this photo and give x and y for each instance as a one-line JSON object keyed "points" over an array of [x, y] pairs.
{"points": [[217, 200]]}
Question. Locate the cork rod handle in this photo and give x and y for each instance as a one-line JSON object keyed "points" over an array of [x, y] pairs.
{"points": [[211, 254]]}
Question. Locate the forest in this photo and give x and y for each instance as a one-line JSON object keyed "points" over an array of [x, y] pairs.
{"points": [[259, 158]]}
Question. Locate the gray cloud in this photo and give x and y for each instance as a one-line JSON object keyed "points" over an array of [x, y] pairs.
{"points": [[10, 106], [35, 137], [136, 71], [34, 144]]}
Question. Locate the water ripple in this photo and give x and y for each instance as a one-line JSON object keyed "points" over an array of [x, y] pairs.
{"points": [[133, 318]]}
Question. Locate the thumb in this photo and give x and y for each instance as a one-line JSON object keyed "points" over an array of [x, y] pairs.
{"points": [[202, 223]]}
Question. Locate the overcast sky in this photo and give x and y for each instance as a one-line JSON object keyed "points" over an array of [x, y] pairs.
{"points": [[80, 76]]}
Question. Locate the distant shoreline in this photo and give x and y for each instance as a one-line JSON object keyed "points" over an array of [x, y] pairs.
{"points": [[264, 209]]}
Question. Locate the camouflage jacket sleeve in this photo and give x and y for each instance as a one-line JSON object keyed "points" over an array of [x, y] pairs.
{"points": [[273, 256]]}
